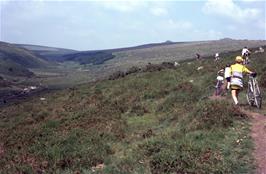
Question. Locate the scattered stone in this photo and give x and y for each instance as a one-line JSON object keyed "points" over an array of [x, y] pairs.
{"points": [[176, 64], [141, 161], [191, 81], [97, 167], [33, 87], [42, 98], [199, 68], [26, 89]]}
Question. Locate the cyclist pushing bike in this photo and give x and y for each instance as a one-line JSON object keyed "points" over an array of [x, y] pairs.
{"points": [[245, 55], [220, 82], [237, 72]]}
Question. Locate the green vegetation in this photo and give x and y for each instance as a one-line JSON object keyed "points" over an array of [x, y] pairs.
{"points": [[15, 61], [11, 68], [93, 57], [20, 56], [151, 122]]}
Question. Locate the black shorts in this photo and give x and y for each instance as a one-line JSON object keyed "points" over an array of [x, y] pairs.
{"points": [[228, 79]]}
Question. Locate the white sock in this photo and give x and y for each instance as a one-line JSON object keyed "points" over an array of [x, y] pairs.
{"points": [[228, 85], [235, 100]]}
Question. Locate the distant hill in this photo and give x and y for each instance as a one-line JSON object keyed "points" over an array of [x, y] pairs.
{"points": [[47, 53], [15, 61], [61, 54], [102, 63], [100, 56], [142, 54], [94, 57], [175, 51], [159, 52], [20, 56]]}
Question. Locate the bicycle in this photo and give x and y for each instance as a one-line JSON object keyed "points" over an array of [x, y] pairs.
{"points": [[218, 86], [254, 96]]}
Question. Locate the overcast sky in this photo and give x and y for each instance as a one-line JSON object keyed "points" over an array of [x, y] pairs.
{"points": [[89, 25]]}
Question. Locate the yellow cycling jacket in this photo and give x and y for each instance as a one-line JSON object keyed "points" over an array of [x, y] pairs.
{"points": [[237, 71]]}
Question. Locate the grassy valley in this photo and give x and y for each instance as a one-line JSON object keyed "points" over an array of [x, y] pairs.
{"points": [[86, 66], [24, 65], [153, 122]]}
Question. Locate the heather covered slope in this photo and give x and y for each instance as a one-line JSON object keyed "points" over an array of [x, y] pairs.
{"points": [[20, 56], [82, 66], [15, 61], [179, 51], [150, 122]]}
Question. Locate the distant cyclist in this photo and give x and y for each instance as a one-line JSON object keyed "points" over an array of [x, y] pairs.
{"points": [[245, 55], [220, 81], [237, 72], [198, 57], [216, 56]]}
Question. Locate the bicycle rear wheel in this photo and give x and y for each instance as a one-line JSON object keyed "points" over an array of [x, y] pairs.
{"points": [[218, 89], [257, 96], [250, 95]]}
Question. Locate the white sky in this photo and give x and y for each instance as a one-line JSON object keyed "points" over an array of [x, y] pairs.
{"points": [[88, 25]]}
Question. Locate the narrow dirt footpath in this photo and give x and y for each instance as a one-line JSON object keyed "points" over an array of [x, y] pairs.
{"points": [[258, 133]]}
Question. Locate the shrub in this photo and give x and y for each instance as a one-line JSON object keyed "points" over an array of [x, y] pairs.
{"points": [[133, 69], [168, 65], [75, 150], [184, 94], [153, 67], [262, 80], [117, 75], [214, 114], [138, 109], [170, 156]]}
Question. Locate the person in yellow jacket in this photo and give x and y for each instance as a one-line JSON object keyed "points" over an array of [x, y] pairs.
{"points": [[237, 72]]}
